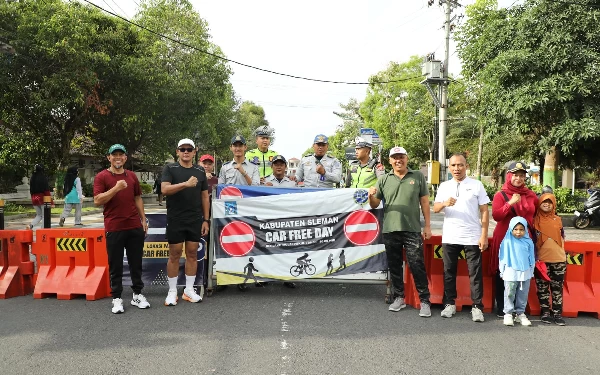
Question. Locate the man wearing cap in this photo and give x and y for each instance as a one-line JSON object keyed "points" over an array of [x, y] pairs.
{"points": [[319, 170], [363, 174], [466, 220], [239, 171], [118, 190], [278, 178], [186, 186], [207, 161], [403, 191], [262, 156]]}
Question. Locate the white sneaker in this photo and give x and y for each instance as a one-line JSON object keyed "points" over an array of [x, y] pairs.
{"points": [[189, 294], [172, 298], [140, 301], [522, 318], [117, 306], [508, 320], [448, 311], [477, 314], [398, 304]]}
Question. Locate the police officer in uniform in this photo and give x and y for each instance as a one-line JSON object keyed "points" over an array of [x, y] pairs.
{"points": [[262, 156], [239, 171], [319, 170], [364, 173], [278, 178]]}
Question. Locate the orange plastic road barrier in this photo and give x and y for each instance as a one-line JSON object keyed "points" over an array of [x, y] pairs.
{"points": [[16, 269], [581, 290], [434, 265], [71, 262], [435, 273]]}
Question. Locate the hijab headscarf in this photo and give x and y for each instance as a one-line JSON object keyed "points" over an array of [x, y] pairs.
{"points": [[547, 224], [515, 252], [70, 177], [523, 205], [39, 182]]}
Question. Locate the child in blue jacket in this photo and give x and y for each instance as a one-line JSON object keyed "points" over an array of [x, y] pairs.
{"points": [[517, 262]]}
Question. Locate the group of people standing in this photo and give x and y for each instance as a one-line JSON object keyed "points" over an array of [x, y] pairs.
{"points": [[520, 217]]}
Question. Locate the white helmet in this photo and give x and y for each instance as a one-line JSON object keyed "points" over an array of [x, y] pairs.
{"points": [[264, 131]]}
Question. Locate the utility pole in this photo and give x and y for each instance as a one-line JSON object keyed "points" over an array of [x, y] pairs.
{"points": [[444, 101], [436, 73]]}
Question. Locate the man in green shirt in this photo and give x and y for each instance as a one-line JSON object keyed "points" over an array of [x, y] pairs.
{"points": [[403, 192]]}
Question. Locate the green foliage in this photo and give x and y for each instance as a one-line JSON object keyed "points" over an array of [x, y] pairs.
{"points": [[531, 67], [490, 190], [566, 202], [14, 208], [87, 189], [146, 188]]}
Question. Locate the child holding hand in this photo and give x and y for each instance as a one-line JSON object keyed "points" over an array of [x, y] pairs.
{"points": [[517, 262], [550, 246]]}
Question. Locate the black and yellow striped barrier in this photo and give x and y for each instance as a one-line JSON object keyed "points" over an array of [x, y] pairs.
{"points": [[438, 252], [71, 244], [575, 259]]}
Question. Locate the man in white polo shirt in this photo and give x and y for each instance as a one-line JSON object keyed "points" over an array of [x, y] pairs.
{"points": [[466, 220]]}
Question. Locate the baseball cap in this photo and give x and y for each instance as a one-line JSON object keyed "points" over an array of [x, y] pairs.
{"points": [[321, 138], [278, 158], [238, 138], [361, 142], [117, 147], [517, 166], [186, 141], [397, 150], [207, 157]]}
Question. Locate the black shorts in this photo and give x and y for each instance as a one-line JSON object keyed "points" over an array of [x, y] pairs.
{"points": [[182, 231]]}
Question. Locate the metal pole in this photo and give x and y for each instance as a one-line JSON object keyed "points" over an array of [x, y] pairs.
{"points": [[47, 212], [444, 101], [1, 214]]}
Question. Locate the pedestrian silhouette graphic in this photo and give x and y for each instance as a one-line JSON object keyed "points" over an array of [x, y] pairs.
{"points": [[329, 264], [249, 271], [342, 260]]}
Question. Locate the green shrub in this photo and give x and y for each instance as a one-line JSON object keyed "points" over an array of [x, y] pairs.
{"points": [[490, 191], [14, 208], [87, 189], [146, 188], [566, 202]]}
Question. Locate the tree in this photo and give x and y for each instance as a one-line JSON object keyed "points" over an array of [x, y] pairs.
{"points": [[347, 131], [250, 116], [533, 66]]}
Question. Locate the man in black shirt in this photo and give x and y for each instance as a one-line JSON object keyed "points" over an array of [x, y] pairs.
{"points": [[187, 218]]}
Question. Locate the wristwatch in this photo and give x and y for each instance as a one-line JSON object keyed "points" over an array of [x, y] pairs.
{"points": [[207, 221]]}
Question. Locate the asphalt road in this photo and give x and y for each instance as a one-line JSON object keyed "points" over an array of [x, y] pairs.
{"points": [[314, 329]]}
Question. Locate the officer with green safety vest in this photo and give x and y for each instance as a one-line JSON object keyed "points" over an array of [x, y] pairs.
{"points": [[363, 173], [261, 156]]}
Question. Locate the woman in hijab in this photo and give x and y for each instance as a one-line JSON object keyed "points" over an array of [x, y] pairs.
{"points": [[513, 199], [73, 196], [39, 188]]}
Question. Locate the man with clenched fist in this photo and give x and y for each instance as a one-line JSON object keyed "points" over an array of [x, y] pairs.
{"points": [[186, 186], [118, 190]]}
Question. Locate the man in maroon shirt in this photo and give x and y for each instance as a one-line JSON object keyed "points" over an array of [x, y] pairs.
{"points": [[125, 225]]}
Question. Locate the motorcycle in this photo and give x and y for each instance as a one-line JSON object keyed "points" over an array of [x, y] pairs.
{"points": [[591, 211]]}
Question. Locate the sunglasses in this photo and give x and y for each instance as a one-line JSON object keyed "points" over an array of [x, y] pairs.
{"points": [[184, 149]]}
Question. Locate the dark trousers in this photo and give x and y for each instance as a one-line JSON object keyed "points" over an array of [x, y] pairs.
{"points": [[132, 241], [473, 258], [412, 243], [499, 294], [552, 289]]}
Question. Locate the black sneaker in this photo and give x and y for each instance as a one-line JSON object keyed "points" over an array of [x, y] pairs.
{"points": [[242, 287], [289, 284], [546, 318], [559, 320]]}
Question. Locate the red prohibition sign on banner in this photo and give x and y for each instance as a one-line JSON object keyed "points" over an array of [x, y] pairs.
{"points": [[237, 238], [361, 227], [230, 192]]}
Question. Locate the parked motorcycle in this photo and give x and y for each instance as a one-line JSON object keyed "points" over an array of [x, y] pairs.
{"points": [[591, 211]]}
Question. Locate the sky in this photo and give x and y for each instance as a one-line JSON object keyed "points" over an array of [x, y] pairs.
{"points": [[340, 40]]}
